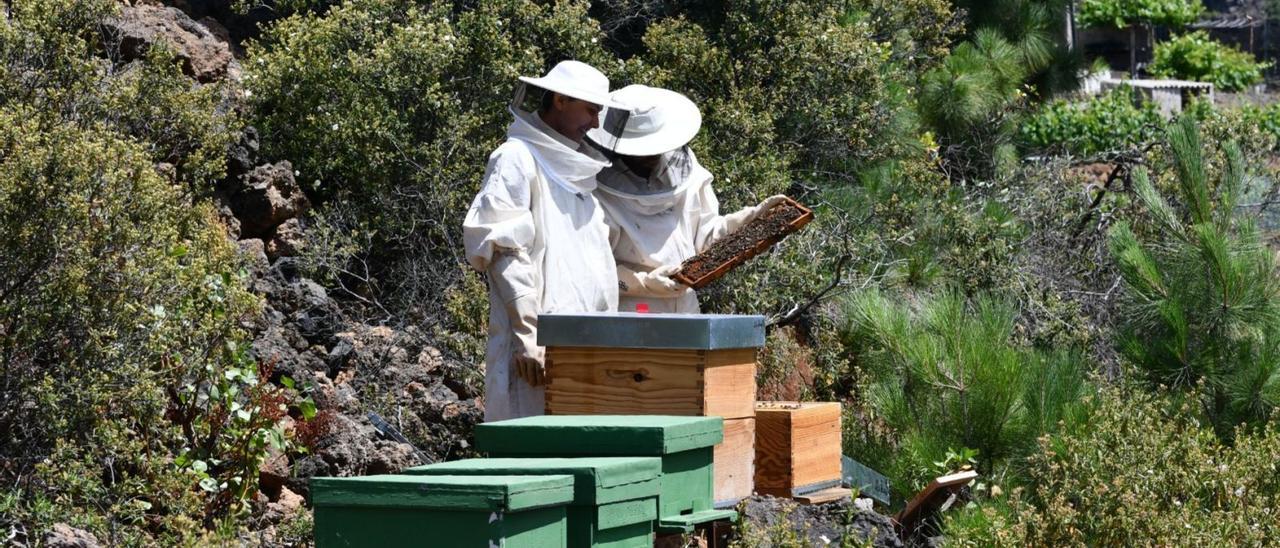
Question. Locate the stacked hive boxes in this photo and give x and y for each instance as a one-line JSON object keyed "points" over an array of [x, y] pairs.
{"points": [[579, 481], [661, 364], [684, 445], [615, 500]]}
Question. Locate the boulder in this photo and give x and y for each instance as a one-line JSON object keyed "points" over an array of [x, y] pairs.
{"points": [[286, 240], [138, 28], [66, 536], [265, 197]]}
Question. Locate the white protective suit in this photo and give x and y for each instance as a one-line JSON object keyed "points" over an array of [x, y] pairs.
{"points": [[660, 220], [538, 231]]}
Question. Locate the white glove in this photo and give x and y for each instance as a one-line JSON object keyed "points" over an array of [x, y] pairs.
{"points": [[527, 358], [655, 283], [511, 274], [738, 219]]}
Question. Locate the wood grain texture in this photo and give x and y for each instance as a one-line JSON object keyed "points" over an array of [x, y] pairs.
{"points": [[591, 381], [824, 496], [797, 445], [734, 461]]}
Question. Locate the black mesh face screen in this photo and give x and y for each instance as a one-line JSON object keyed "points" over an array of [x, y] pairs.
{"points": [[614, 122]]}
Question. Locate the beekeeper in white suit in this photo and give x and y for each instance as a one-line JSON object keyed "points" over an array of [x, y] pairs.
{"points": [[538, 232], [658, 198]]}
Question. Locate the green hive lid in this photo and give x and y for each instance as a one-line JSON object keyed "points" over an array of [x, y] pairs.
{"points": [[597, 480], [630, 435], [490, 493]]}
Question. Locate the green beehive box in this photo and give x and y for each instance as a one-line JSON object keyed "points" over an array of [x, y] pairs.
{"points": [[615, 499], [445, 511], [684, 444]]}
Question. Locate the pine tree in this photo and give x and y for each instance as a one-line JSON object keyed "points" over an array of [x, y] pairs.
{"points": [[1202, 298]]}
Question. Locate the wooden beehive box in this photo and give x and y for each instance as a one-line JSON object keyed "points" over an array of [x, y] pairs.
{"points": [[797, 447], [661, 364]]}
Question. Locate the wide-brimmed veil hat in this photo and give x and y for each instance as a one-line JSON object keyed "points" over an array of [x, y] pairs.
{"points": [[575, 79], [659, 120]]}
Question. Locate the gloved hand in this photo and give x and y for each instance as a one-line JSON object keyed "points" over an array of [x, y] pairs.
{"points": [[654, 283], [512, 276], [527, 358], [738, 219]]}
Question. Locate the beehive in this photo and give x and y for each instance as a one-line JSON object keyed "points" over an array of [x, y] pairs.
{"points": [[444, 511], [684, 444], [797, 447], [615, 501], [660, 364]]}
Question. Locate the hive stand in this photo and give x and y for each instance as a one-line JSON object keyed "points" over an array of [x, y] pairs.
{"points": [[443, 511], [615, 499], [661, 364], [683, 443]]}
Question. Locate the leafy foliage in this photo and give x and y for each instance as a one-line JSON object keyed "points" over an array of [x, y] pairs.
{"points": [[1108, 122], [951, 376], [1125, 13], [1195, 56], [1142, 472], [1201, 301], [127, 409]]}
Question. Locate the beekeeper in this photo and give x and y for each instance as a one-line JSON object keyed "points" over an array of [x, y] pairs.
{"points": [[537, 231], [658, 198]]}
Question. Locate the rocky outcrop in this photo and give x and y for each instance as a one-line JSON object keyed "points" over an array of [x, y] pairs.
{"points": [[66, 536], [137, 29], [840, 523]]}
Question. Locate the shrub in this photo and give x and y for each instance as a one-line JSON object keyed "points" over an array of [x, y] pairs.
{"points": [[56, 58], [370, 103], [119, 302], [1143, 472], [1202, 300], [1125, 13], [1105, 123], [1195, 56], [951, 376]]}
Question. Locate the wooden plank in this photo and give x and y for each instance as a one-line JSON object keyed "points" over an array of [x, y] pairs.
{"points": [[930, 499], [773, 453], [824, 496], [797, 446], [734, 462], [592, 381], [730, 390], [588, 381]]}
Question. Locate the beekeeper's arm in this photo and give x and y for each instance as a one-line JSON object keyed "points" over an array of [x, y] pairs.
{"points": [[497, 233], [656, 283], [705, 207]]}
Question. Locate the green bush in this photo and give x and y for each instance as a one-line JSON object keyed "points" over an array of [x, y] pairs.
{"points": [[1125, 13], [1195, 56], [120, 304], [389, 109], [127, 402], [55, 59], [948, 375], [1201, 300], [1143, 472], [1108, 122]]}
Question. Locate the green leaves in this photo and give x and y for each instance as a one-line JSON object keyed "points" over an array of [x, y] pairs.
{"points": [[1124, 13], [1196, 56]]}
